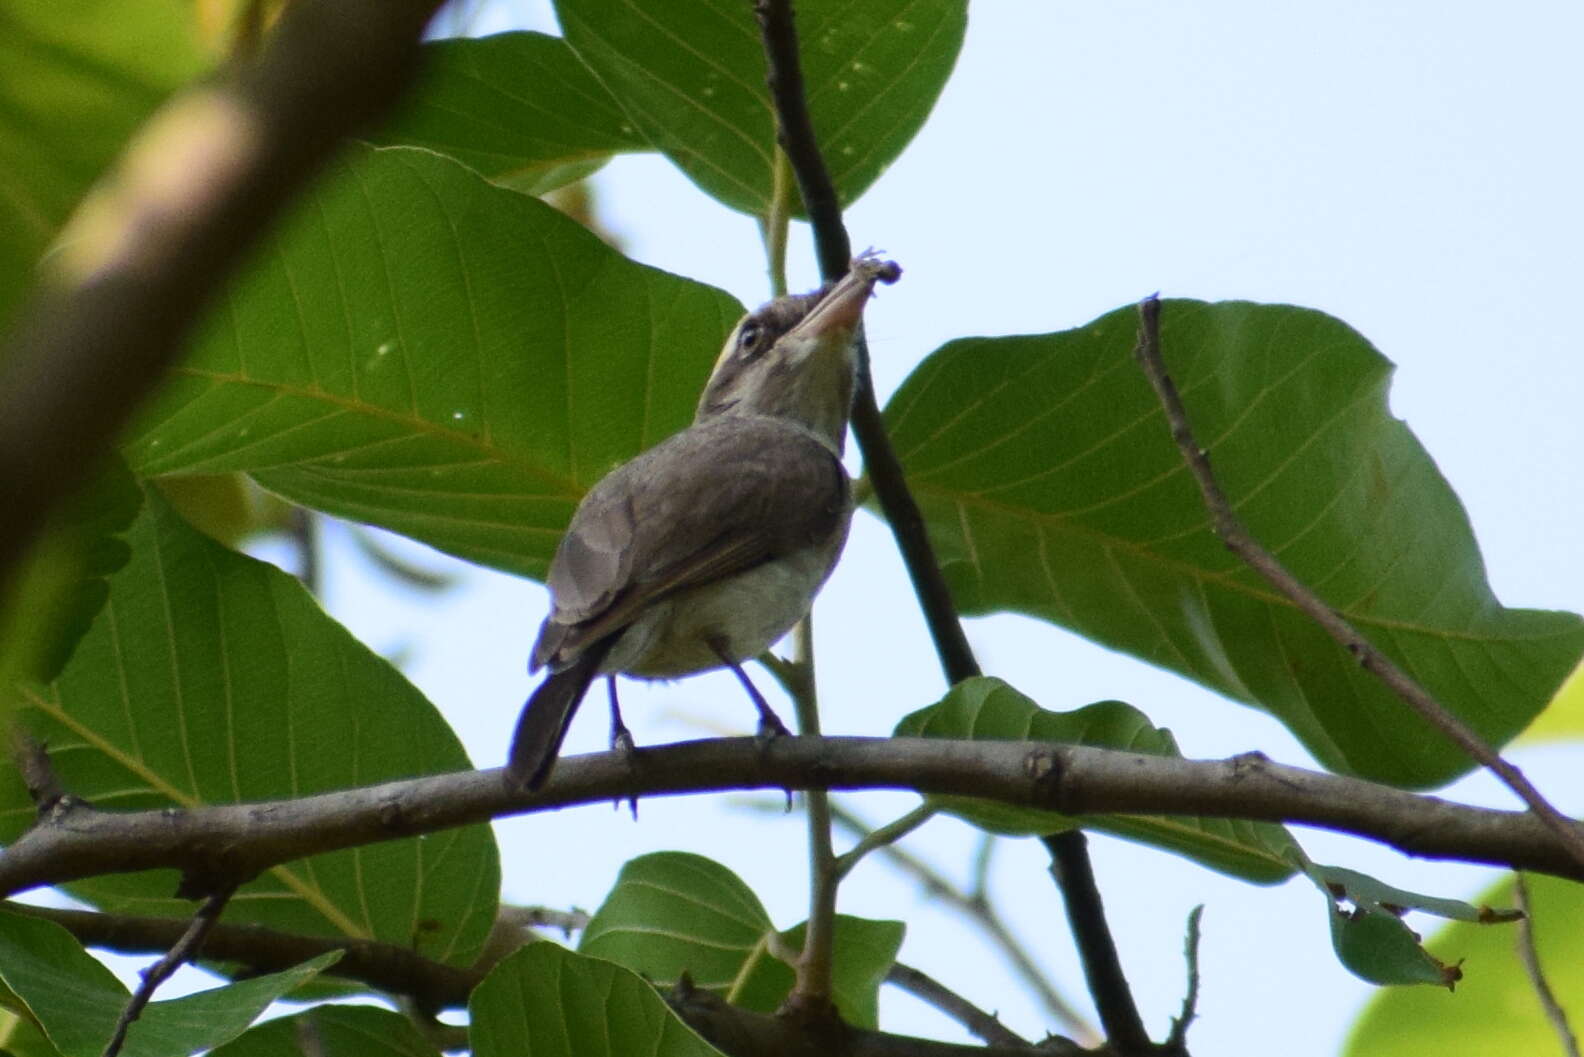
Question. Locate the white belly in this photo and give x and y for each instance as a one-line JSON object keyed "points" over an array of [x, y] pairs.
{"points": [[748, 612]]}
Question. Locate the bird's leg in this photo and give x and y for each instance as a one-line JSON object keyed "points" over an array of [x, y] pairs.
{"points": [[621, 739], [770, 725]]}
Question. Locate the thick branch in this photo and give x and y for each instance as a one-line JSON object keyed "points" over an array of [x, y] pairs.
{"points": [[1242, 543], [195, 192], [239, 841]]}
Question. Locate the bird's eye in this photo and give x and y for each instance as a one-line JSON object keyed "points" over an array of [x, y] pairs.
{"points": [[748, 336]]}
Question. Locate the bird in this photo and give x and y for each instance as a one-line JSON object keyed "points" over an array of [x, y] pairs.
{"points": [[703, 550]]}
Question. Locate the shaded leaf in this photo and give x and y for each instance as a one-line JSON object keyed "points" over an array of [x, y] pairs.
{"points": [[1495, 1009], [692, 79], [212, 678], [1363, 890], [76, 78], [335, 1031], [521, 108], [986, 709], [1563, 718], [547, 1001], [1052, 488], [424, 351], [671, 913], [63, 582], [76, 999]]}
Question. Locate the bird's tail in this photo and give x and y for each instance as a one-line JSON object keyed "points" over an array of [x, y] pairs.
{"points": [[544, 720]]}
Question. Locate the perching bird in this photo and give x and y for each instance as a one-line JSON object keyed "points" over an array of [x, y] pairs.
{"points": [[705, 549]]}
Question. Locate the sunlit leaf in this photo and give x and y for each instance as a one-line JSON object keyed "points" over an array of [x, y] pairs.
{"points": [[1052, 487]]}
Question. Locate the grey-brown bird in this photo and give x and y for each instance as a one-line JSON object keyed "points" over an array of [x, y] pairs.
{"points": [[702, 551]]}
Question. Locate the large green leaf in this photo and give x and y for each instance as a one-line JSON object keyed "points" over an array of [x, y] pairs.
{"points": [[672, 913], [521, 108], [986, 708], [334, 1031], [76, 1000], [692, 79], [547, 1001], [212, 678], [1495, 1009], [76, 77], [428, 352], [1051, 487]]}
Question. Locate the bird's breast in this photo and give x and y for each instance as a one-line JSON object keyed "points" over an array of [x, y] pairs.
{"points": [[748, 612]]}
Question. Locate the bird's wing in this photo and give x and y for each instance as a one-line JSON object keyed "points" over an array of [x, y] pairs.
{"points": [[714, 500]]}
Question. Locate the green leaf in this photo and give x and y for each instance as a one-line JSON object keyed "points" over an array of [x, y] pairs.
{"points": [[63, 582], [336, 1031], [212, 678], [20, 1037], [77, 1000], [672, 913], [76, 78], [1495, 1009], [692, 79], [425, 351], [986, 709], [1563, 718], [547, 1001], [1051, 487], [521, 108], [1363, 890]]}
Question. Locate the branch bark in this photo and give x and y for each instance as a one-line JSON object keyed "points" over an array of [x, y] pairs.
{"points": [[236, 842]]}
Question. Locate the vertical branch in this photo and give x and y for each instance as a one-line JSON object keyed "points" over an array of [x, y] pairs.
{"points": [[1119, 1015], [1529, 954], [1237, 538], [185, 949], [812, 990]]}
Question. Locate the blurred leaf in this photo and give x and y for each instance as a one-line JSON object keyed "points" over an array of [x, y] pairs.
{"points": [[1495, 1010], [20, 1037], [671, 913], [212, 678], [521, 108], [985, 709], [547, 1001], [77, 1000], [692, 79], [424, 351], [336, 1031], [226, 507], [76, 77], [1052, 488], [1563, 718], [63, 582]]}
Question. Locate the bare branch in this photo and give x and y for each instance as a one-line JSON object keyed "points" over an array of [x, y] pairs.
{"points": [[184, 949], [1177, 1040], [926, 988], [1230, 528], [137, 265], [237, 841], [1529, 954], [1108, 986]]}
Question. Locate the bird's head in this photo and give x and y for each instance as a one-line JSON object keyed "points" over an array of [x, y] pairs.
{"points": [[796, 357]]}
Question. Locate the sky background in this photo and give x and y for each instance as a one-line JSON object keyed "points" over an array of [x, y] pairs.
{"points": [[1411, 168]]}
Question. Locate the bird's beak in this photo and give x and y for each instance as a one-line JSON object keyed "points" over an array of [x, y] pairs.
{"points": [[839, 312]]}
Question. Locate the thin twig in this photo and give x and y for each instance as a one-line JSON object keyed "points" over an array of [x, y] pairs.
{"points": [[1529, 954], [1177, 1040], [198, 188], [977, 908], [1240, 542], [1108, 986], [184, 950], [883, 836], [926, 988]]}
